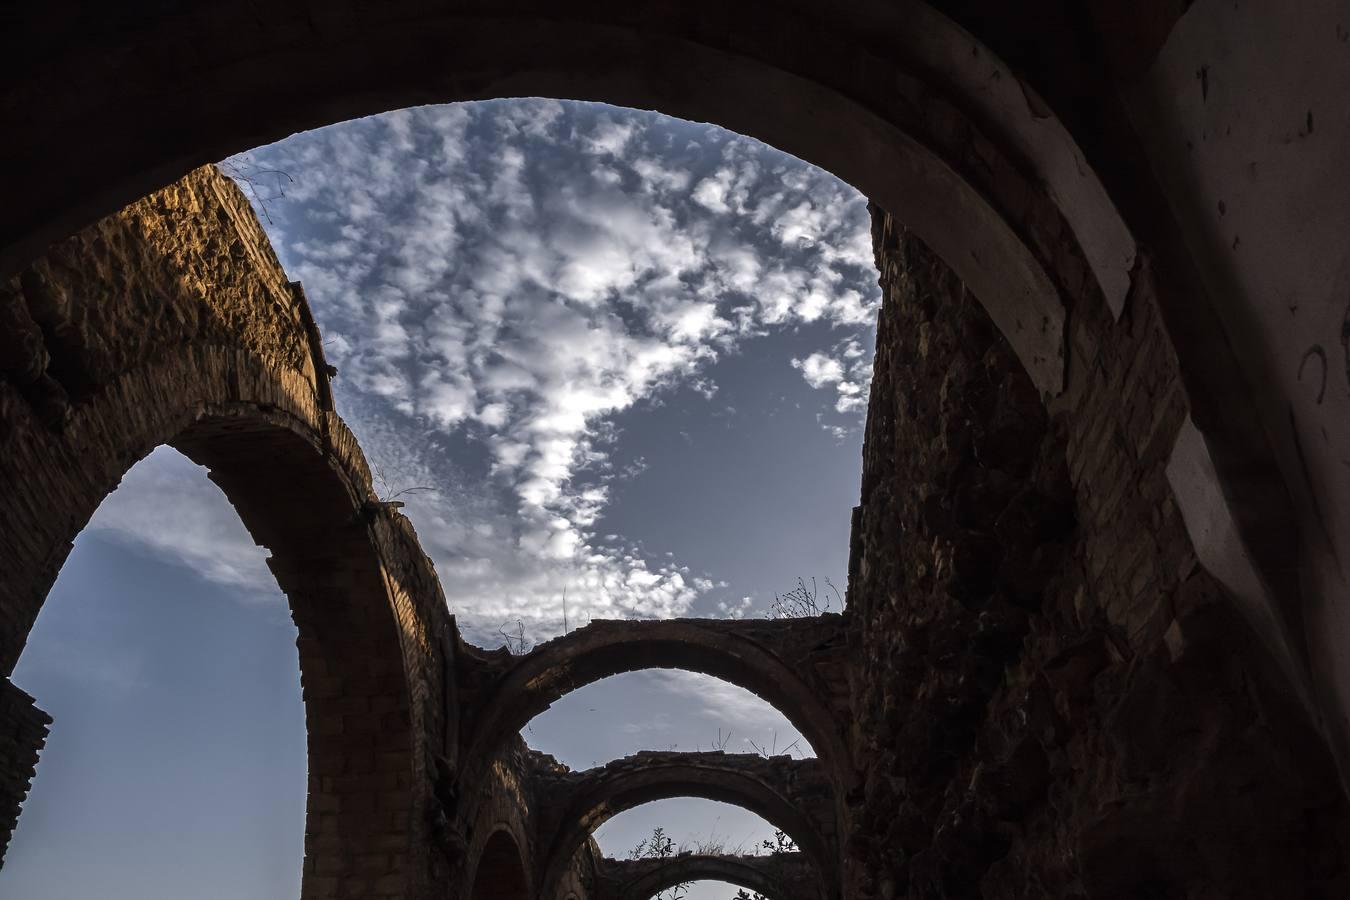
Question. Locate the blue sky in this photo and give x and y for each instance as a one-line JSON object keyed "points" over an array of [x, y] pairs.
{"points": [[619, 356]]}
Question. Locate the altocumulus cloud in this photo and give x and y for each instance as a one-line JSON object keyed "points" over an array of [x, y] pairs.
{"points": [[497, 281]]}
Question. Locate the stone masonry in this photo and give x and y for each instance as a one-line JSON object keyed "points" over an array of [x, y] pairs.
{"points": [[23, 731], [1052, 699], [783, 876]]}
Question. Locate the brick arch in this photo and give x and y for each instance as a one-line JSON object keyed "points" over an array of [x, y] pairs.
{"points": [[775, 878], [906, 106], [302, 507], [706, 869], [911, 108], [500, 873], [792, 795], [772, 659], [256, 415]]}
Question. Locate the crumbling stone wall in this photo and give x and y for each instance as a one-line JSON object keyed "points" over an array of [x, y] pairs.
{"points": [[1052, 698], [171, 322], [23, 731]]}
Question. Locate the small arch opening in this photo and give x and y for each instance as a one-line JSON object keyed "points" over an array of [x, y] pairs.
{"points": [[710, 889], [501, 871], [165, 654]]}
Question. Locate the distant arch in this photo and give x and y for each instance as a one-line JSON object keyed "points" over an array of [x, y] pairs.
{"points": [[257, 414], [792, 795], [776, 879], [771, 659]]}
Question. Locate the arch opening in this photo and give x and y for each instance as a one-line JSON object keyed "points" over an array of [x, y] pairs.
{"points": [[692, 823], [661, 310], [247, 422], [500, 874], [749, 873], [665, 710], [166, 656]]}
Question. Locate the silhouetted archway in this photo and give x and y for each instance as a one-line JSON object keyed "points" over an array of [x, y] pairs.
{"points": [[778, 877], [793, 796]]}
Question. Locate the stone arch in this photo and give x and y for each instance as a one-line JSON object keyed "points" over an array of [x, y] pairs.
{"points": [[775, 879], [771, 659], [874, 86], [792, 795], [499, 873], [910, 107], [905, 105], [300, 485], [356, 700]]}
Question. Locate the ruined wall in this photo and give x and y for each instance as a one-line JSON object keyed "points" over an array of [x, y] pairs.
{"points": [[186, 266], [1052, 697], [171, 322], [23, 731], [501, 800]]}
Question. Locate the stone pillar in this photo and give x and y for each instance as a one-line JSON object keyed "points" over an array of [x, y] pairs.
{"points": [[1051, 698]]}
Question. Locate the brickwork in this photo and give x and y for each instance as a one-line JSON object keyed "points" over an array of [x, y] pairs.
{"points": [[171, 322], [23, 731], [782, 876], [1053, 698]]}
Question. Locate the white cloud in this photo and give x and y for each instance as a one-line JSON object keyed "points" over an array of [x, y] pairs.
{"points": [[507, 278], [167, 505], [820, 370]]}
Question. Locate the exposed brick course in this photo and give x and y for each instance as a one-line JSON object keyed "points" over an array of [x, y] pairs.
{"points": [[23, 731], [1036, 691]]}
